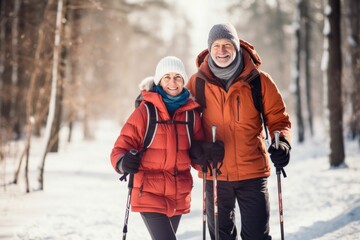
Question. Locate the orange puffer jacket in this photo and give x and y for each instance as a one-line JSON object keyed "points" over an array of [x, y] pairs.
{"points": [[237, 120], [164, 182]]}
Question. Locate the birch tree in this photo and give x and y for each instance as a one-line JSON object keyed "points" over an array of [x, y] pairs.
{"points": [[54, 88]]}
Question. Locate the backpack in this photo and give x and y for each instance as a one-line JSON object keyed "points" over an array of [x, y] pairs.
{"points": [[153, 121], [255, 85]]}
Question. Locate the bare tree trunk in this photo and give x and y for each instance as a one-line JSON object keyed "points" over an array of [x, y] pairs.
{"points": [[30, 11], [352, 8], [38, 64], [334, 70], [2, 44], [2, 158], [296, 74], [26, 172], [2, 65], [10, 65], [54, 86], [54, 147], [307, 58], [18, 169], [9, 62], [63, 52], [279, 18], [27, 154], [86, 124], [74, 28], [7, 88], [15, 65]]}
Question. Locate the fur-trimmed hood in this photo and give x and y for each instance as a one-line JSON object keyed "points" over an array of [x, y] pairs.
{"points": [[147, 83]]}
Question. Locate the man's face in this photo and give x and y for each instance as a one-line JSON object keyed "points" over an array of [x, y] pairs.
{"points": [[223, 52]]}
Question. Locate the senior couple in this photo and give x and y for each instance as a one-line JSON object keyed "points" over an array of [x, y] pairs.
{"points": [[162, 184]]}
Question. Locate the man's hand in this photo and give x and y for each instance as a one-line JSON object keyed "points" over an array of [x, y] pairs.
{"points": [[215, 151], [281, 156]]}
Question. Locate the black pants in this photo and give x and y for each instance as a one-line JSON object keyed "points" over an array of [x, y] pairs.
{"points": [[160, 226], [253, 200]]}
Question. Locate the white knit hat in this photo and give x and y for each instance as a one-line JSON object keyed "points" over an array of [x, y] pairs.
{"points": [[169, 64]]}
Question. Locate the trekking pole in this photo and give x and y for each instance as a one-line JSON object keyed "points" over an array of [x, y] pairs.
{"points": [[216, 213], [130, 186], [278, 174], [204, 170]]}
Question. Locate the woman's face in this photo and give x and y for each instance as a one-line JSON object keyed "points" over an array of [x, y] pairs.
{"points": [[172, 83]]}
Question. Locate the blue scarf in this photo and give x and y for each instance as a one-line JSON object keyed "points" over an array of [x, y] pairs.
{"points": [[173, 102]]}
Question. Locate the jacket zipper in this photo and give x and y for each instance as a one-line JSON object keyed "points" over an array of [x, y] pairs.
{"points": [[238, 108]]}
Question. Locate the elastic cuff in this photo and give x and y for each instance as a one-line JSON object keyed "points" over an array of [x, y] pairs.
{"points": [[282, 139], [119, 167]]}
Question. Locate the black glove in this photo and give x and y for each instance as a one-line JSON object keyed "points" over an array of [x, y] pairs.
{"points": [[130, 162], [281, 156], [214, 152], [197, 154]]}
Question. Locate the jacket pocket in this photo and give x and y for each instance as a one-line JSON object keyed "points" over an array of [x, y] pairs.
{"points": [[184, 182], [154, 183], [263, 155]]}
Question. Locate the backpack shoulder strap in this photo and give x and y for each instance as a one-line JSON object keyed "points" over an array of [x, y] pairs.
{"points": [[190, 126], [255, 85], [200, 92], [151, 124], [138, 100]]}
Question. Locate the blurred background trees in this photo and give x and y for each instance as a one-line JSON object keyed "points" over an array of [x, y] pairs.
{"points": [[107, 47]]}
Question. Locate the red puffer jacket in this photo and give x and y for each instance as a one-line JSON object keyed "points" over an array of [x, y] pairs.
{"points": [[164, 182]]}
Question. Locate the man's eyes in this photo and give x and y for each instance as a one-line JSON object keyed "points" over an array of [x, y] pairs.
{"points": [[219, 46]]}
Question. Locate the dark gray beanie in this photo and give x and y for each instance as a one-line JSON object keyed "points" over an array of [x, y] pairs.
{"points": [[226, 30]]}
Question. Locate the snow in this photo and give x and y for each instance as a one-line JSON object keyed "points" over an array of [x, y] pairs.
{"points": [[83, 198]]}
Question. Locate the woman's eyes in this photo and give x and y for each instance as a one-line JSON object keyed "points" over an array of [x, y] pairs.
{"points": [[176, 78]]}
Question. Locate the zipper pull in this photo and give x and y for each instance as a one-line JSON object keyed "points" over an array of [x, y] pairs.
{"points": [[175, 171], [141, 188]]}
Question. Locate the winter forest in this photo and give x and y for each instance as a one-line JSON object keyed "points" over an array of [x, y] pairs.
{"points": [[69, 70]]}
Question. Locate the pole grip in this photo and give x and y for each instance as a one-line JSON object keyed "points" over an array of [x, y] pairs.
{"points": [[277, 136], [131, 179], [133, 152], [213, 131]]}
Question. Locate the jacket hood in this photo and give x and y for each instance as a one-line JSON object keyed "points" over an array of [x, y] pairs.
{"points": [[250, 56], [243, 44], [147, 84]]}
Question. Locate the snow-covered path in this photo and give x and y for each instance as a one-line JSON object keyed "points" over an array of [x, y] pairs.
{"points": [[83, 198]]}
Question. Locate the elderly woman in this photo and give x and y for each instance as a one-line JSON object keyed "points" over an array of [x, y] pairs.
{"points": [[162, 178]]}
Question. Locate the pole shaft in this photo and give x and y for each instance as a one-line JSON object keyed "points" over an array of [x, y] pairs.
{"points": [[204, 203], [216, 212], [278, 175]]}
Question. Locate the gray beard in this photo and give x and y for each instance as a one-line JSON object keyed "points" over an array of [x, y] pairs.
{"points": [[229, 73]]}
